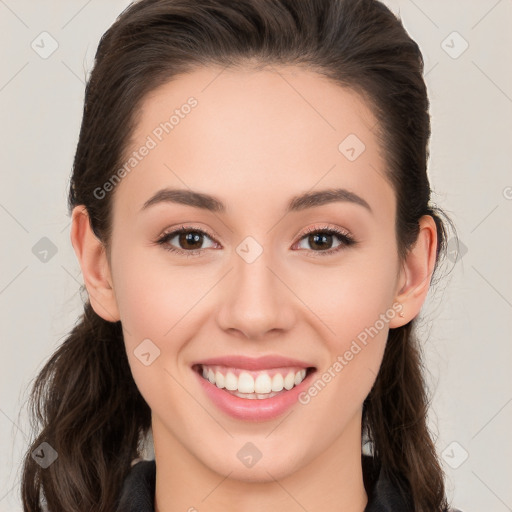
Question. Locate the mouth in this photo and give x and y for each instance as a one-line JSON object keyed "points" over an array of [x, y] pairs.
{"points": [[254, 384]]}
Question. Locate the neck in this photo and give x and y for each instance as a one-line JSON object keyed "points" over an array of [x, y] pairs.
{"points": [[330, 482]]}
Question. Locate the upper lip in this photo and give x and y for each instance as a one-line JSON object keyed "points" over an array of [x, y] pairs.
{"points": [[254, 364]]}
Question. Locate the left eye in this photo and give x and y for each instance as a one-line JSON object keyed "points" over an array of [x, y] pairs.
{"points": [[322, 237]]}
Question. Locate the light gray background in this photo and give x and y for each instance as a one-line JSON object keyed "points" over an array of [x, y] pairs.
{"points": [[467, 319]]}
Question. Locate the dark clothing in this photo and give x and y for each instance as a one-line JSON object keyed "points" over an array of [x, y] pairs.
{"points": [[138, 493]]}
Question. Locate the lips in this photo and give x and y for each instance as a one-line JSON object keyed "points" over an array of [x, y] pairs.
{"points": [[253, 388]]}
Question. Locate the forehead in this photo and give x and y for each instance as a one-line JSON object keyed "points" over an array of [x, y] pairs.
{"points": [[241, 133]]}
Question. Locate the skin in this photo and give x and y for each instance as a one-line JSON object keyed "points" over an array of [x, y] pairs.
{"points": [[254, 141]]}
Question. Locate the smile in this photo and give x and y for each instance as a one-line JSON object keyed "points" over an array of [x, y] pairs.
{"points": [[253, 384], [258, 391]]}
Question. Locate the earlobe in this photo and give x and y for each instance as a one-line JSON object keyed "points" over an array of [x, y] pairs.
{"points": [[93, 261], [416, 273]]}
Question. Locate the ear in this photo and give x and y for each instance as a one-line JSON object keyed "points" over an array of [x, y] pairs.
{"points": [[92, 256], [416, 273]]}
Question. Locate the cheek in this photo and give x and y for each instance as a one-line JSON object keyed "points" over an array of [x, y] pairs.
{"points": [[157, 303], [346, 299], [151, 311], [357, 310], [152, 296], [354, 306]]}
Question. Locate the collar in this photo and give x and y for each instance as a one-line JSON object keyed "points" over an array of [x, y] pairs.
{"points": [[138, 491]]}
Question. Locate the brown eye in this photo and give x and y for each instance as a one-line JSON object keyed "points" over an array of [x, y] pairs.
{"points": [[190, 240], [320, 240], [187, 241]]}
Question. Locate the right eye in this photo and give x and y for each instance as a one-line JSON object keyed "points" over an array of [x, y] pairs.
{"points": [[184, 236]]}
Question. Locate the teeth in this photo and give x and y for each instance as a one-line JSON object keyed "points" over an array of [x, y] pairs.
{"points": [[231, 382], [219, 380], [253, 396], [299, 377], [277, 382], [245, 383], [263, 383], [263, 386], [289, 380]]}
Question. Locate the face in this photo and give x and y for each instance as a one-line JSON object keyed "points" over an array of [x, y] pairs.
{"points": [[311, 284]]}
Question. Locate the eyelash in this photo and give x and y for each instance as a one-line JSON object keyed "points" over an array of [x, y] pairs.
{"points": [[346, 239]]}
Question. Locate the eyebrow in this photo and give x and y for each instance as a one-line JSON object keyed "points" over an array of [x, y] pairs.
{"points": [[213, 204]]}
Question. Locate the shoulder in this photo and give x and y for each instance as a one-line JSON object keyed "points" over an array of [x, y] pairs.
{"points": [[386, 493], [138, 491]]}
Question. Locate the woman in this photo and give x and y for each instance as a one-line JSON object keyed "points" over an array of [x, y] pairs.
{"points": [[251, 212]]}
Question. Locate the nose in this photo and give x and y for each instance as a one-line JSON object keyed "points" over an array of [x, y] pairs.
{"points": [[256, 302]]}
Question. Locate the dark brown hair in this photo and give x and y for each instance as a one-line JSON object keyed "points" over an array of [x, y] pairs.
{"points": [[85, 401]]}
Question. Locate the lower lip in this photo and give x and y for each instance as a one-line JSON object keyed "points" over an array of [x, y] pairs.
{"points": [[256, 409]]}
